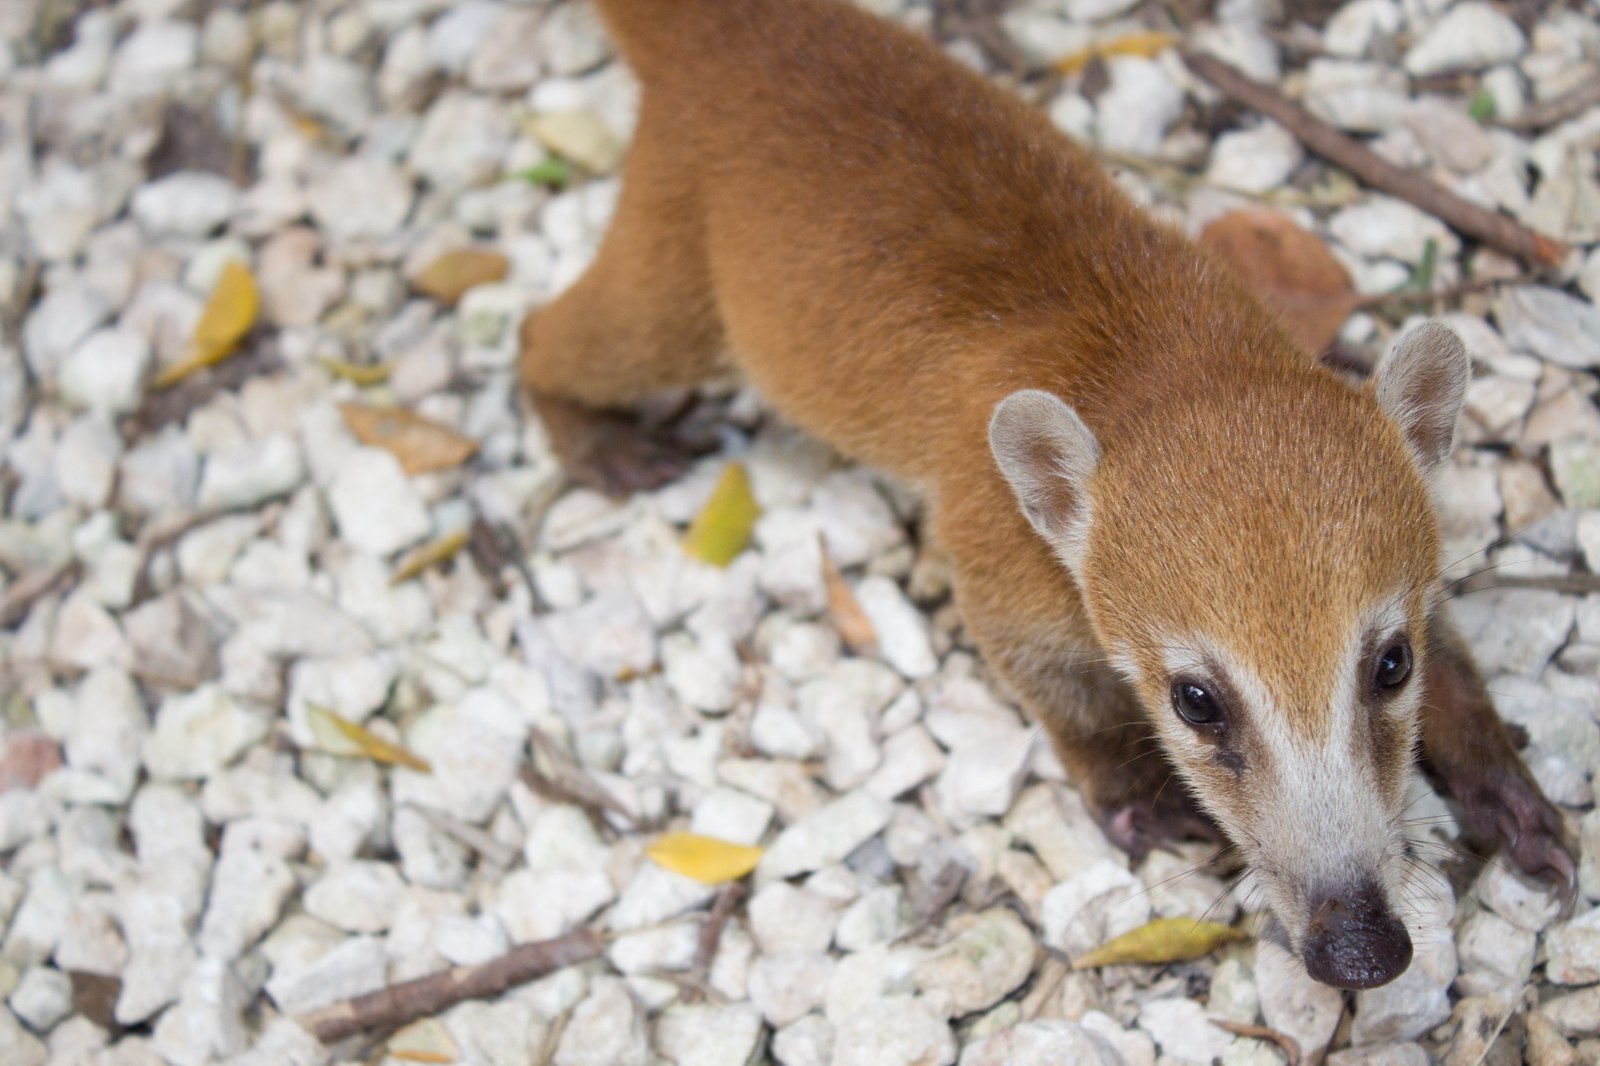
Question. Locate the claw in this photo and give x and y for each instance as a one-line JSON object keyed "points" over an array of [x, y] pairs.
{"points": [[1509, 807], [1142, 826]]}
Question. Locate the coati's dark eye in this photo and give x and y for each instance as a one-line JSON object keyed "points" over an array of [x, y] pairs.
{"points": [[1393, 666], [1194, 704]]}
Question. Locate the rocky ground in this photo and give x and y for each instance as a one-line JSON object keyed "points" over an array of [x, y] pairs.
{"points": [[187, 571]]}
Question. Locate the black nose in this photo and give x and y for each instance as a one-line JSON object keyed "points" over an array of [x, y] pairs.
{"points": [[1354, 941]]}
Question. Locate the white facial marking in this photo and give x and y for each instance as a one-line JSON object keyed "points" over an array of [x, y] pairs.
{"points": [[1313, 817]]}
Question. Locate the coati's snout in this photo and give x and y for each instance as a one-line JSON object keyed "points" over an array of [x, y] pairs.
{"points": [[1354, 940]]}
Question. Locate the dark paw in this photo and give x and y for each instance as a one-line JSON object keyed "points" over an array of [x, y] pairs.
{"points": [[1508, 808], [1142, 825], [628, 460]]}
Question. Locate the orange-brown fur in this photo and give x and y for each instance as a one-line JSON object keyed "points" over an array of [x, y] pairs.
{"points": [[886, 247]]}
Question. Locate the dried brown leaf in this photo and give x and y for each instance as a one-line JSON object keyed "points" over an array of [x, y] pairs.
{"points": [[454, 272], [844, 610], [1289, 269], [421, 444]]}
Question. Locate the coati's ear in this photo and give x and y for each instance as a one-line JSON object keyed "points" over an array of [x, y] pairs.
{"points": [[1421, 383], [1047, 454]]}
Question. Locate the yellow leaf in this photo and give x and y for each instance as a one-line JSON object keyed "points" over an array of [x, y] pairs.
{"points": [[453, 273], [1162, 940], [362, 374], [722, 530], [844, 610], [706, 859], [337, 736], [421, 444], [424, 1041], [228, 316], [1148, 45], [430, 554]]}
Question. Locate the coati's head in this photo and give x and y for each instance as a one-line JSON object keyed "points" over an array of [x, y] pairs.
{"points": [[1258, 560]]}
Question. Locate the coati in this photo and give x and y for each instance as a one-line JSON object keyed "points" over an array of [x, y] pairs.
{"points": [[1173, 531]]}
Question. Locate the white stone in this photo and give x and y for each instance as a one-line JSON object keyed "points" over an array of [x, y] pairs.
{"points": [[650, 951], [1574, 950], [705, 1035], [1254, 160], [910, 757], [607, 634], [358, 897], [62, 318], [572, 39], [1472, 36], [354, 968], [1361, 97], [474, 746], [107, 727], [1514, 631], [1351, 31], [361, 198], [207, 1022], [1384, 226], [702, 672], [42, 998], [1138, 107], [1293, 1003], [990, 956], [198, 733], [152, 55], [786, 987], [899, 1029], [789, 920], [508, 61], [843, 706], [248, 889], [86, 460], [244, 476], [538, 905], [1042, 1043], [606, 1029], [903, 636], [189, 203], [105, 373], [1102, 902], [462, 141], [1180, 1029], [376, 507], [1551, 324], [825, 836]]}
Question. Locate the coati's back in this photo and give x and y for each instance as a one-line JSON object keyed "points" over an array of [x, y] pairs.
{"points": [[952, 245]]}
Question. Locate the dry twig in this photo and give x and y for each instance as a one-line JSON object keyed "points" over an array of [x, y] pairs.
{"points": [[711, 932], [1500, 232], [28, 588], [1289, 1045], [392, 1007], [1558, 109], [567, 783]]}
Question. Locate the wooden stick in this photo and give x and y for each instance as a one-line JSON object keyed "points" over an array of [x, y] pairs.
{"points": [[1289, 1045], [1498, 231], [711, 932], [392, 1007]]}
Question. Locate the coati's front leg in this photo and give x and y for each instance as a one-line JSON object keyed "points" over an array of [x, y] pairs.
{"points": [[641, 320], [1467, 746], [1109, 750]]}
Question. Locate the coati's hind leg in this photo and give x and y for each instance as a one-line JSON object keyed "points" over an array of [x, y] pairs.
{"points": [[1467, 746], [641, 320]]}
